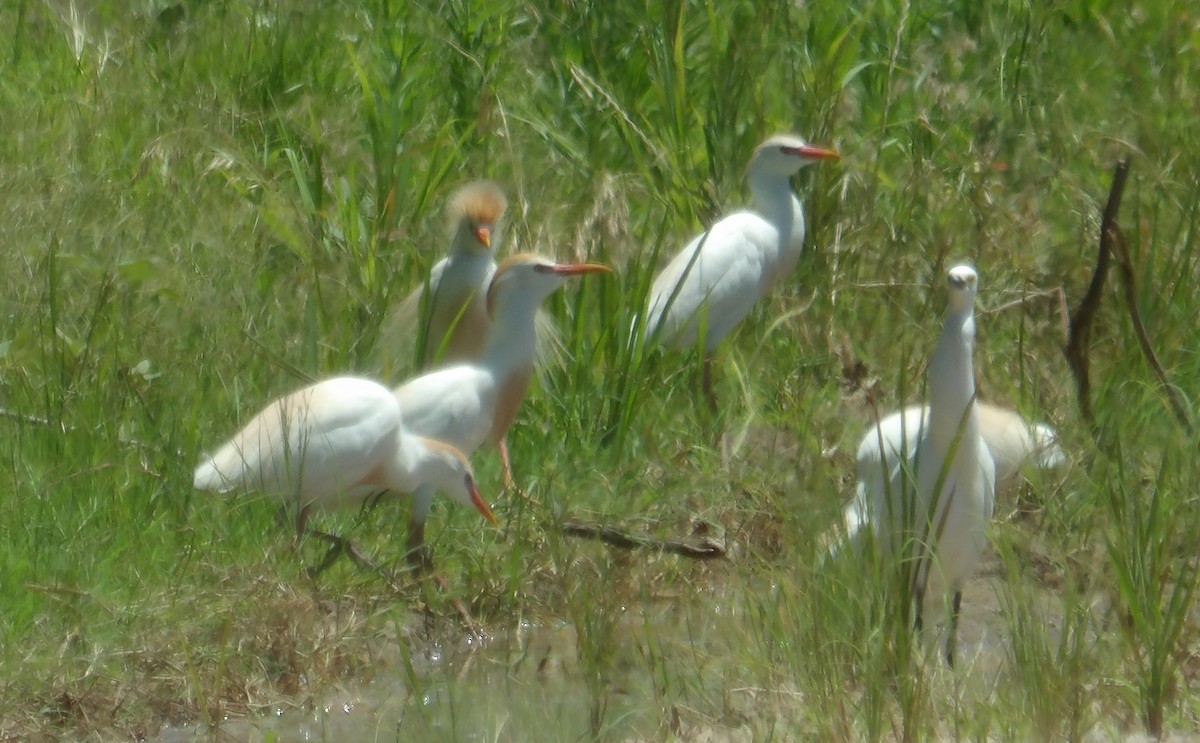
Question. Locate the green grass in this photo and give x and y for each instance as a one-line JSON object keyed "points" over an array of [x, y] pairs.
{"points": [[206, 204]]}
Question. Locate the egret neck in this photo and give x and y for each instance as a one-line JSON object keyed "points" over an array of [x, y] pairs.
{"points": [[779, 206], [952, 380], [509, 356]]}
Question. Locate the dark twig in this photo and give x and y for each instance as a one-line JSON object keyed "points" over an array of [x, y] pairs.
{"points": [[1125, 266], [1113, 244], [704, 549], [1079, 338]]}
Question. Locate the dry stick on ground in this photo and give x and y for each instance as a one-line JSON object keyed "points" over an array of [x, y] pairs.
{"points": [[1079, 338], [704, 549]]}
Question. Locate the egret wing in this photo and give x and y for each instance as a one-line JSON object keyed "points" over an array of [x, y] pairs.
{"points": [[454, 405], [714, 282], [317, 441]]}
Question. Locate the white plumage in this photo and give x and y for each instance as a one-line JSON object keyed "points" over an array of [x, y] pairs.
{"points": [[471, 404], [936, 500], [1013, 442], [714, 282], [335, 443]]}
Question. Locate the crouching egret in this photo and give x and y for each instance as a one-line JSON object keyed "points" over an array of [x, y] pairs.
{"points": [[933, 501], [714, 282], [332, 444], [472, 404]]}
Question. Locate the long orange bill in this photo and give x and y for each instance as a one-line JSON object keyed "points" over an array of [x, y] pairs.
{"points": [[484, 235], [576, 269], [812, 152], [481, 504]]}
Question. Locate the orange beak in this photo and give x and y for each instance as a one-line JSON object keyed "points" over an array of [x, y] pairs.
{"points": [[484, 235], [578, 269], [812, 152], [479, 502]]}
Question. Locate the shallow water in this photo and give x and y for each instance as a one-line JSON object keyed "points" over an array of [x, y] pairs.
{"points": [[528, 685], [670, 668]]}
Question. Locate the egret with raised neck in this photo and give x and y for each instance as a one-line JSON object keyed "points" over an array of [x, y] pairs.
{"points": [[712, 284], [930, 505], [445, 317], [472, 404]]}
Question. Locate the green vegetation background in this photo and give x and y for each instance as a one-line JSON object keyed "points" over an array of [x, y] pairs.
{"points": [[204, 205]]}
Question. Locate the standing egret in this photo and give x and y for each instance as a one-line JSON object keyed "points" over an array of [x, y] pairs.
{"points": [[456, 320], [1010, 439], [331, 444], [714, 282], [472, 404], [937, 499]]}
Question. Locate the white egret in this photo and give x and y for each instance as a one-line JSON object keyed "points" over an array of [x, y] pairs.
{"points": [[1013, 442], [472, 404], [934, 501], [456, 321], [332, 444], [714, 282]]}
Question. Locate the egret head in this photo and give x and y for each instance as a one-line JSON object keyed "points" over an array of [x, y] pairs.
{"points": [[784, 154], [449, 471], [532, 278], [475, 211], [964, 284]]}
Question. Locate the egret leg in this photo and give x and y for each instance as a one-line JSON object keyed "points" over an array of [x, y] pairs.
{"points": [[342, 546], [420, 560], [335, 551], [301, 522], [338, 546], [509, 481], [374, 499], [707, 382], [950, 639]]}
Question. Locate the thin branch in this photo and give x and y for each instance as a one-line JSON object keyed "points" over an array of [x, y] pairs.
{"points": [[1113, 244], [1079, 339], [704, 549], [1125, 266], [1057, 294]]}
